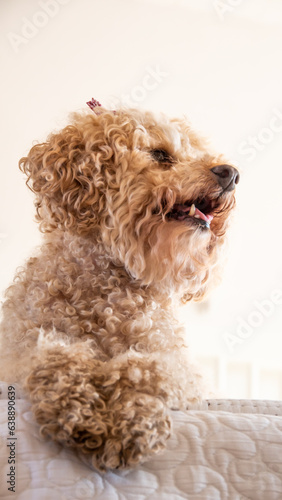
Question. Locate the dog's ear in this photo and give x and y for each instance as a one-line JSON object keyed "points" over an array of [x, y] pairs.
{"points": [[66, 175]]}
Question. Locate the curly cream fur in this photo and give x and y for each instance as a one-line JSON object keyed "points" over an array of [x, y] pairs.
{"points": [[89, 322]]}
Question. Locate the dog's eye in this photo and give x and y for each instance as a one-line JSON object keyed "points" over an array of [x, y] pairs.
{"points": [[161, 155]]}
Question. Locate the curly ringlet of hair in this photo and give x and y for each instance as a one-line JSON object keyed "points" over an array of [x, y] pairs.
{"points": [[93, 179]]}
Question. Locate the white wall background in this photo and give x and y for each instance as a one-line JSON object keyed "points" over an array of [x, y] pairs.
{"points": [[218, 62]]}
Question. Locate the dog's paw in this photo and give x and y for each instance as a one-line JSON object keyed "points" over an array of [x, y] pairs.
{"points": [[138, 430]]}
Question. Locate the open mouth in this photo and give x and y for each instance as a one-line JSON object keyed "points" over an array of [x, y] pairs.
{"points": [[198, 212]]}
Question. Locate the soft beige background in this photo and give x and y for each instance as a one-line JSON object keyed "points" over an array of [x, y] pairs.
{"points": [[218, 62]]}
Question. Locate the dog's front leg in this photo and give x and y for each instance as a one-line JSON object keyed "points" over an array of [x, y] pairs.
{"points": [[109, 410]]}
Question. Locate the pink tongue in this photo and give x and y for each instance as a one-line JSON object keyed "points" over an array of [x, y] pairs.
{"points": [[207, 218]]}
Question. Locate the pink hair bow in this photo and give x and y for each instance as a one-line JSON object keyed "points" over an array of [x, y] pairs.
{"points": [[93, 104]]}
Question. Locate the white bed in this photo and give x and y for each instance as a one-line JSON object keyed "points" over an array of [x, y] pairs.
{"points": [[224, 450]]}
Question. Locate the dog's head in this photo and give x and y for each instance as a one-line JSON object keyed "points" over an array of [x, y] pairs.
{"points": [[147, 190]]}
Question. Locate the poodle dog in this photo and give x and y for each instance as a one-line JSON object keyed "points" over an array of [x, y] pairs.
{"points": [[134, 211]]}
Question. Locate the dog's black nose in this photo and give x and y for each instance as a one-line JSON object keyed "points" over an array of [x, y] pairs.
{"points": [[226, 176]]}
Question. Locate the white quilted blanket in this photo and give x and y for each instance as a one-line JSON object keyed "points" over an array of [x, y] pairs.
{"points": [[212, 455]]}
